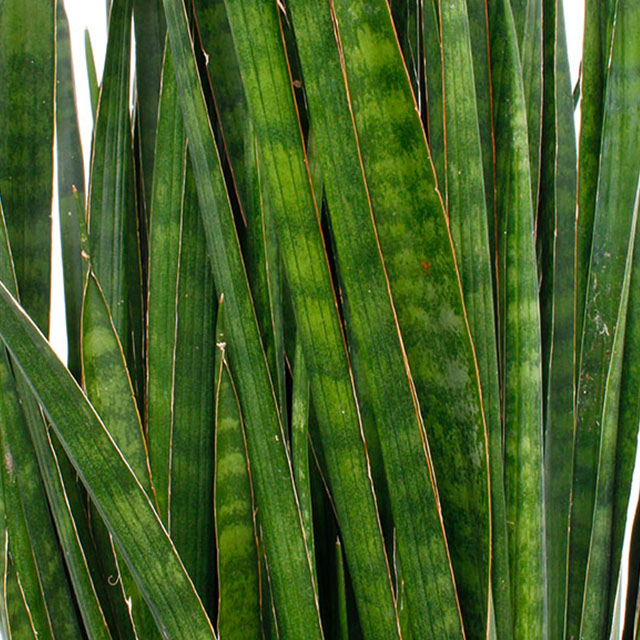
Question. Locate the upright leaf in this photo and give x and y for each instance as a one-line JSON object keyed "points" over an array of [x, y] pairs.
{"points": [[274, 487], [466, 205], [434, 99], [596, 612], [520, 332], [92, 73], [423, 279], [164, 256], [257, 234], [278, 133], [300, 409], [27, 33], [598, 23], [479, 35], [122, 502], [527, 15], [372, 326], [180, 348], [150, 38], [628, 425], [70, 176], [112, 216], [236, 537]]}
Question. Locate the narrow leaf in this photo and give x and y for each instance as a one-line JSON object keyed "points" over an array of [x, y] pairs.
{"points": [[112, 216], [466, 205], [596, 621], [70, 176], [556, 253], [527, 16], [94, 89], [423, 279], [274, 487], [150, 38]]}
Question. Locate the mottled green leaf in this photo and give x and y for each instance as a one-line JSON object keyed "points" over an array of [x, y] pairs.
{"points": [[70, 177], [27, 33], [617, 180]]}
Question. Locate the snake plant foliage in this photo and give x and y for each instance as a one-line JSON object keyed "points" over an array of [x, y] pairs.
{"points": [[353, 322]]}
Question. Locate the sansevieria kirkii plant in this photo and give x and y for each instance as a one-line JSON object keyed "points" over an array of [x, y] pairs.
{"points": [[353, 322]]}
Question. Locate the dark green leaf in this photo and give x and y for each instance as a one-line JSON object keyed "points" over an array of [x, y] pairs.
{"points": [[27, 33]]}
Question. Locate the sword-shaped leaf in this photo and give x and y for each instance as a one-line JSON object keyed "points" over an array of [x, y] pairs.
{"points": [[556, 246], [150, 38], [598, 24], [112, 216], [527, 16], [423, 279], [466, 205], [70, 176], [275, 493], [520, 332], [619, 169], [180, 348], [596, 613], [372, 325]]}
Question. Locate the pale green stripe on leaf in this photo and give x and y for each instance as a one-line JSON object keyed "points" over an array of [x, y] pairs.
{"points": [[314, 304], [527, 15], [165, 237], [108, 386], [434, 90], [417, 249], [595, 57], [257, 235], [191, 498], [468, 216], [373, 333], [23, 558], [300, 409], [107, 382]]}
